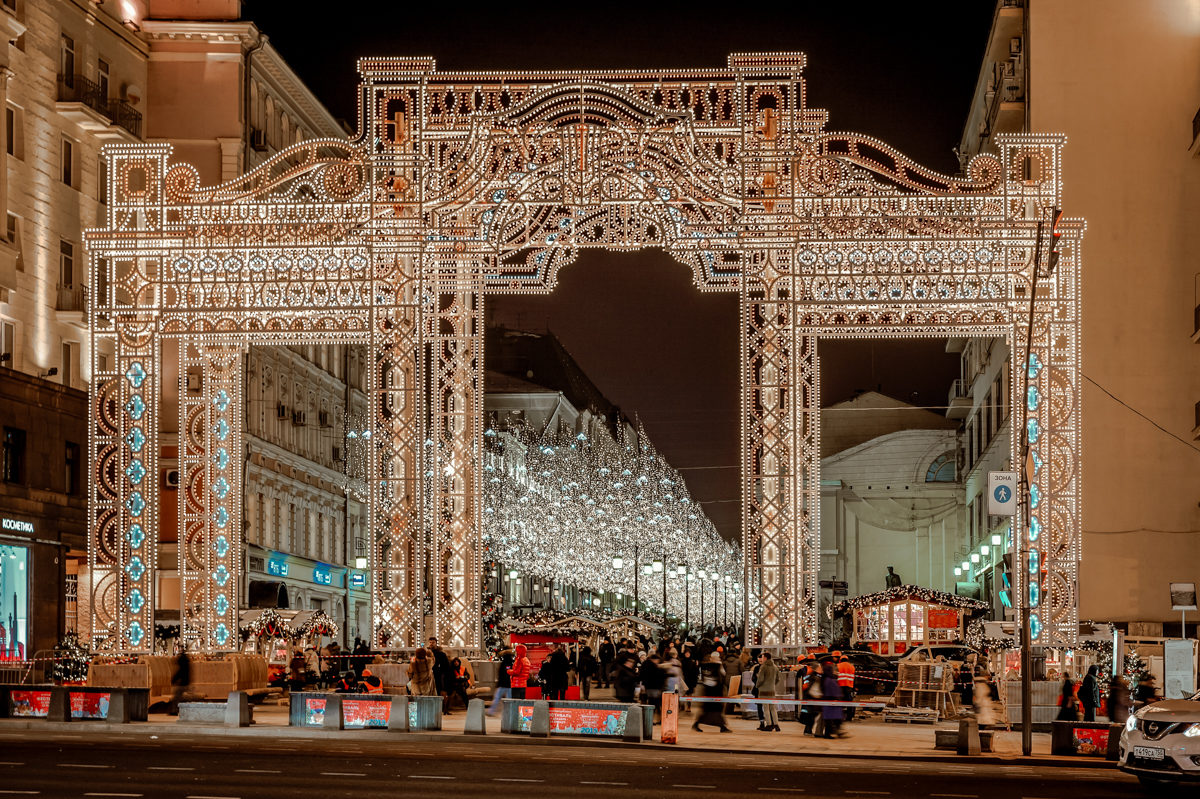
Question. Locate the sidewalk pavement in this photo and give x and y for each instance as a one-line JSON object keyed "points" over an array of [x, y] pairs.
{"points": [[868, 737]]}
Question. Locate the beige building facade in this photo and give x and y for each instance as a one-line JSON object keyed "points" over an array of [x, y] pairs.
{"points": [[1122, 81]]}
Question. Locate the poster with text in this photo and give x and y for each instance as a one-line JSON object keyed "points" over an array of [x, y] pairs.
{"points": [[30, 704], [88, 705], [314, 712], [357, 713], [577, 720]]}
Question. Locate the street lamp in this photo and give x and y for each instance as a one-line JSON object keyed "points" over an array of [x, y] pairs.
{"points": [[700, 575]]}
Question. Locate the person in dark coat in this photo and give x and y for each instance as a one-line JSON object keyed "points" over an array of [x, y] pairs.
{"points": [[443, 674], [180, 681], [586, 667], [1119, 700], [653, 679], [832, 715], [1089, 694], [553, 674], [1068, 704], [608, 653], [690, 666], [624, 677], [503, 682], [712, 684]]}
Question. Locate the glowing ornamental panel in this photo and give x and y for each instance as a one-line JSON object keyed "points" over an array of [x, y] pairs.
{"points": [[464, 185]]}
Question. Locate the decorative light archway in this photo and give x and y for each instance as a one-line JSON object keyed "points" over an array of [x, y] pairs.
{"points": [[462, 185]]}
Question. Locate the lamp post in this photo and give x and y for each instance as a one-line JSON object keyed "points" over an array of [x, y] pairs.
{"points": [[687, 600], [725, 598], [700, 575], [660, 566]]}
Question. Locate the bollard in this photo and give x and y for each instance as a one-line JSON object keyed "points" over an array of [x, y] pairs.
{"points": [[968, 737], [476, 723], [633, 724], [118, 706], [670, 717], [237, 710], [333, 712], [398, 714], [540, 726]]}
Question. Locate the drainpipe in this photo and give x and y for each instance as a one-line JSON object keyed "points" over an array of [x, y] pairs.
{"points": [[246, 63]]}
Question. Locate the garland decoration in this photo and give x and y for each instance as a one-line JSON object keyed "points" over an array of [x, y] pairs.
{"points": [[71, 661], [269, 624], [318, 623], [901, 592]]}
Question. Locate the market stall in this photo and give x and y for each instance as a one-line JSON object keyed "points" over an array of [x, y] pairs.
{"points": [[892, 621]]}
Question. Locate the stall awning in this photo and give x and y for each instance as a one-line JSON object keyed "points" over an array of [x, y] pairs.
{"points": [[905, 592]]}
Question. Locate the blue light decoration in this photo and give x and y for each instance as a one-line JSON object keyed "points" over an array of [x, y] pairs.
{"points": [[136, 504], [221, 546], [221, 459], [1033, 431], [1037, 461], [1035, 529], [136, 471], [221, 605], [135, 601], [136, 439], [221, 487], [221, 401], [221, 517], [136, 407], [1035, 366], [221, 575], [322, 574], [222, 429], [1034, 570], [136, 633], [1035, 626], [135, 535], [136, 374], [221, 634], [1033, 398], [135, 569], [1035, 495]]}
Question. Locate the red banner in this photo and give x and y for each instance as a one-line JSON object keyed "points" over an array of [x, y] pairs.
{"points": [[314, 712], [30, 704], [942, 618], [577, 720], [1090, 742], [89, 705], [365, 713]]}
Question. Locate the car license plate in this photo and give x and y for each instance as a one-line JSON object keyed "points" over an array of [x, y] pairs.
{"points": [[1149, 752]]}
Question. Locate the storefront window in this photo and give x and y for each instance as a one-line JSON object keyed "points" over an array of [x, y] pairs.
{"points": [[14, 602]]}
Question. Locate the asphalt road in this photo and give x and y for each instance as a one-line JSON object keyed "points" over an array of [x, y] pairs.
{"points": [[126, 765]]}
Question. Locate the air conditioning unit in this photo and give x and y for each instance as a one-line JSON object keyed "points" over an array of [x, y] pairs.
{"points": [[171, 478], [281, 411], [193, 382], [258, 140], [323, 418], [299, 418]]}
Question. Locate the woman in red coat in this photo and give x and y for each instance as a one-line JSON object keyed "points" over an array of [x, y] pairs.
{"points": [[519, 673]]}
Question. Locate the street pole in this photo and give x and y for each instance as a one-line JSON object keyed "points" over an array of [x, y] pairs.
{"points": [[702, 606], [637, 567], [664, 590], [687, 606]]}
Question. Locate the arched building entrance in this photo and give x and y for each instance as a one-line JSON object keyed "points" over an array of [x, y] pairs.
{"points": [[462, 185]]}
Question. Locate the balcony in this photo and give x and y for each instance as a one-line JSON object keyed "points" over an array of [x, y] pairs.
{"points": [[70, 305], [83, 102], [958, 403]]}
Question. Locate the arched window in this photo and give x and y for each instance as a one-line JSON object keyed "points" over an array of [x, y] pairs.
{"points": [[942, 469]]}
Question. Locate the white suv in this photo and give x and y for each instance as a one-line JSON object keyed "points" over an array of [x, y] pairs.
{"points": [[1161, 742]]}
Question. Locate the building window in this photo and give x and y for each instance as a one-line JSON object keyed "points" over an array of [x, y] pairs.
{"points": [[67, 161], [102, 70], [72, 468], [942, 469], [12, 231], [14, 130], [66, 264], [102, 181], [10, 5], [69, 349], [12, 463], [66, 64], [8, 345]]}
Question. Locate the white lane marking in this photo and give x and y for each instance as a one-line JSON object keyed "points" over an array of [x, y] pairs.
{"points": [[597, 782], [343, 774], [100, 793], [203, 796], [429, 777], [957, 795], [171, 768], [784, 790], [23, 793], [258, 771], [689, 785], [82, 765], [514, 779], [871, 793]]}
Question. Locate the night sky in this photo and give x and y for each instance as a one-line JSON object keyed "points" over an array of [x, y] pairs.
{"points": [[657, 347]]}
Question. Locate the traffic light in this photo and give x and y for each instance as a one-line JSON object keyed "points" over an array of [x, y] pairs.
{"points": [[1006, 580], [1055, 239]]}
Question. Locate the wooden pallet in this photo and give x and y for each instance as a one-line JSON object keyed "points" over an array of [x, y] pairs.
{"points": [[910, 715]]}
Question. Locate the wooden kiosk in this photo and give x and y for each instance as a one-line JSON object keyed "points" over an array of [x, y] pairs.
{"points": [[895, 620]]}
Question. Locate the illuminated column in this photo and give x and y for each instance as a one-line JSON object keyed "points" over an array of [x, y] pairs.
{"points": [[123, 446], [454, 333], [211, 459], [780, 460], [398, 554]]}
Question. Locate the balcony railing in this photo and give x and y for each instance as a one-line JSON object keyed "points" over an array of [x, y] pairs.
{"points": [[71, 298], [79, 89]]}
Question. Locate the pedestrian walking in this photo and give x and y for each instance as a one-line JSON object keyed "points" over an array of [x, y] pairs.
{"points": [[831, 715], [181, 680], [1089, 694], [712, 684], [625, 675], [1068, 703], [420, 674], [443, 674], [653, 679], [585, 668], [519, 672], [608, 653], [1119, 700], [845, 675], [764, 684], [503, 682]]}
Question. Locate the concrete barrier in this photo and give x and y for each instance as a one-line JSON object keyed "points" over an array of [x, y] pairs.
{"points": [[365, 711], [235, 711], [398, 717], [968, 737], [477, 718], [1085, 739], [633, 725], [539, 725]]}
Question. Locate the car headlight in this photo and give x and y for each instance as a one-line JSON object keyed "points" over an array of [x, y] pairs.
{"points": [[1131, 724], [1193, 731]]}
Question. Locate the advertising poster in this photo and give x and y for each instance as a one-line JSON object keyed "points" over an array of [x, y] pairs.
{"points": [[30, 704], [87, 705], [577, 720], [1091, 742], [14, 600], [358, 713], [314, 712]]}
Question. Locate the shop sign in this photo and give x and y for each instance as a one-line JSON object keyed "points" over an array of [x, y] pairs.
{"points": [[358, 580], [277, 567], [16, 525], [322, 575]]}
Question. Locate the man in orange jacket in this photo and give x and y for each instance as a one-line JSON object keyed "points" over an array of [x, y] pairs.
{"points": [[845, 678]]}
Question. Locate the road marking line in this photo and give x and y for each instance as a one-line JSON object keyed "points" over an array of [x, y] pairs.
{"points": [[82, 765], [514, 779], [202, 796], [957, 795], [598, 782], [23, 793], [99, 793], [343, 774], [429, 777], [689, 785], [784, 790], [258, 770], [171, 768]]}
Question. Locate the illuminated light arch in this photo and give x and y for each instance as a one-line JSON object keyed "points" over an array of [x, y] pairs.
{"points": [[461, 185]]}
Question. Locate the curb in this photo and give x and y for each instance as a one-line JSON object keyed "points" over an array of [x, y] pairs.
{"points": [[151, 728]]}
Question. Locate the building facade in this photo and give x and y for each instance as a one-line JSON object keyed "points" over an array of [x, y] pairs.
{"points": [[76, 75], [1122, 80]]}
